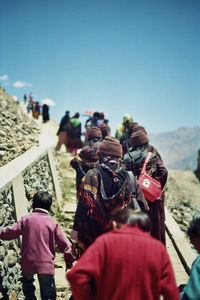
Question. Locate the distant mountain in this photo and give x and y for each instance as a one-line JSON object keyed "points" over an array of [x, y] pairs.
{"points": [[179, 148]]}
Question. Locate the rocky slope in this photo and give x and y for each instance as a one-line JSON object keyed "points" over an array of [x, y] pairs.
{"points": [[18, 133], [182, 196]]}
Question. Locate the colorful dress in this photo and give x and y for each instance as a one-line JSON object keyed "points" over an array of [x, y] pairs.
{"points": [[101, 195]]}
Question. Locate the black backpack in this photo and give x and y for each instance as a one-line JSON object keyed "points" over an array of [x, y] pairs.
{"points": [[134, 161]]}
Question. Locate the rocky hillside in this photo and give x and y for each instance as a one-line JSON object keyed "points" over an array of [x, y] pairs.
{"points": [[182, 196], [179, 148], [18, 132]]}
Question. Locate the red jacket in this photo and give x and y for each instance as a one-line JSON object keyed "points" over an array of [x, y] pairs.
{"points": [[126, 263]]}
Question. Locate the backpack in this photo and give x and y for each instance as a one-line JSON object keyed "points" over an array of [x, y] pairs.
{"points": [[134, 201], [151, 188], [134, 161]]}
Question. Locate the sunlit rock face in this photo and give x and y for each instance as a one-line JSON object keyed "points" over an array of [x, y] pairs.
{"points": [[18, 132]]}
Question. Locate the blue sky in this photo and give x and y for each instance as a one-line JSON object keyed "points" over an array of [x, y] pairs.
{"points": [[139, 57]]}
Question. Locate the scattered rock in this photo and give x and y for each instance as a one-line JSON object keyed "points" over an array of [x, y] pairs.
{"points": [[15, 129]]}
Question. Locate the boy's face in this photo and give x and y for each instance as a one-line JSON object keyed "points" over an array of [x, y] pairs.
{"points": [[196, 243]]}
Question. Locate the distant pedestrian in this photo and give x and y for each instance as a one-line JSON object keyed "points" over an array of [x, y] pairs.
{"points": [[74, 134], [95, 120], [87, 158], [45, 113], [25, 98], [191, 290], [28, 108], [121, 129], [36, 110], [62, 131], [105, 129], [124, 264], [39, 234]]}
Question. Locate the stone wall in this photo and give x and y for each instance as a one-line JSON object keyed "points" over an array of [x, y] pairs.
{"points": [[9, 250], [38, 177]]}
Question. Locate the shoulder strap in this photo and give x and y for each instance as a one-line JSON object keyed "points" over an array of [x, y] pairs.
{"points": [[132, 179], [146, 162], [135, 204]]}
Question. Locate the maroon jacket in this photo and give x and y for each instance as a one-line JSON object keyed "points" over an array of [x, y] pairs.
{"points": [[127, 264]]}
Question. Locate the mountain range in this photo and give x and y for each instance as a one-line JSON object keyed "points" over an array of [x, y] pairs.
{"points": [[179, 148]]}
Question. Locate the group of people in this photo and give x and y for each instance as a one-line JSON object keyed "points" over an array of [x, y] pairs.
{"points": [[118, 236], [69, 133], [36, 109], [70, 130], [107, 171]]}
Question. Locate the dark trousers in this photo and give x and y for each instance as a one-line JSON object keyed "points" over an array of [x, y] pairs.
{"points": [[47, 286]]}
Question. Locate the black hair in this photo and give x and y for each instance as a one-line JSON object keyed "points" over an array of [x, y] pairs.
{"points": [[76, 116], [42, 200], [194, 226], [141, 219], [128, 216], [96, 115], [122, 215]]}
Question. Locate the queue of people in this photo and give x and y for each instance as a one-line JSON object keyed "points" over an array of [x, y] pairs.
{"points": [[118, 234], [70, 130], [37, 109]]}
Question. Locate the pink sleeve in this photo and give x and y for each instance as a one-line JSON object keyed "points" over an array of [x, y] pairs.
{"points": [[12, 232], [64, 246]]}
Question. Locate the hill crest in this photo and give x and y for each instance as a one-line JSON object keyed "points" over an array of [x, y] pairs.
{"points": [[179, 148]]}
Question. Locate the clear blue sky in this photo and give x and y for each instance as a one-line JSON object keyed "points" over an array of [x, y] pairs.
{"points": [[140, 57]]}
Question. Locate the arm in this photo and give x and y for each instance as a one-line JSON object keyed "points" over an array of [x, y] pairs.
{"points": [[168, 286], [162, 173], [12, 232], [87, 269], [192, 290], [64, 246]]}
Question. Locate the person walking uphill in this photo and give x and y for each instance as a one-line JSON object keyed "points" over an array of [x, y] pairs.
{"points": [[62, 131], [39, 234], [191, 290], [104, 190], [134, 161], [74, 134], [88, 157], [124, 264]]}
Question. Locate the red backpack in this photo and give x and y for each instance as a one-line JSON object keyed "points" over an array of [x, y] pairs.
{"points": [[151, 188]]}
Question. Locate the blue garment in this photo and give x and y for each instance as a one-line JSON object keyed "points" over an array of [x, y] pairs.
{"points": [[192, 289], [47, 286]]}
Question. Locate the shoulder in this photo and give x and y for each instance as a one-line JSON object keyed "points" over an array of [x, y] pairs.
{"points": [[91, 178], [196, 263]]}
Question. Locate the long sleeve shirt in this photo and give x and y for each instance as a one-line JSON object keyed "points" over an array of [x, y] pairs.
{"points": [[40, 233], [127, 264]]}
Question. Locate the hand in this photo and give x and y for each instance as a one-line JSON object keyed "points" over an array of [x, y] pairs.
{"points": [[76, 250]]}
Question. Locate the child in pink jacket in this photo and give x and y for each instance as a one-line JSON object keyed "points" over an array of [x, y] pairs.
{"points": [[40, 233]]}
